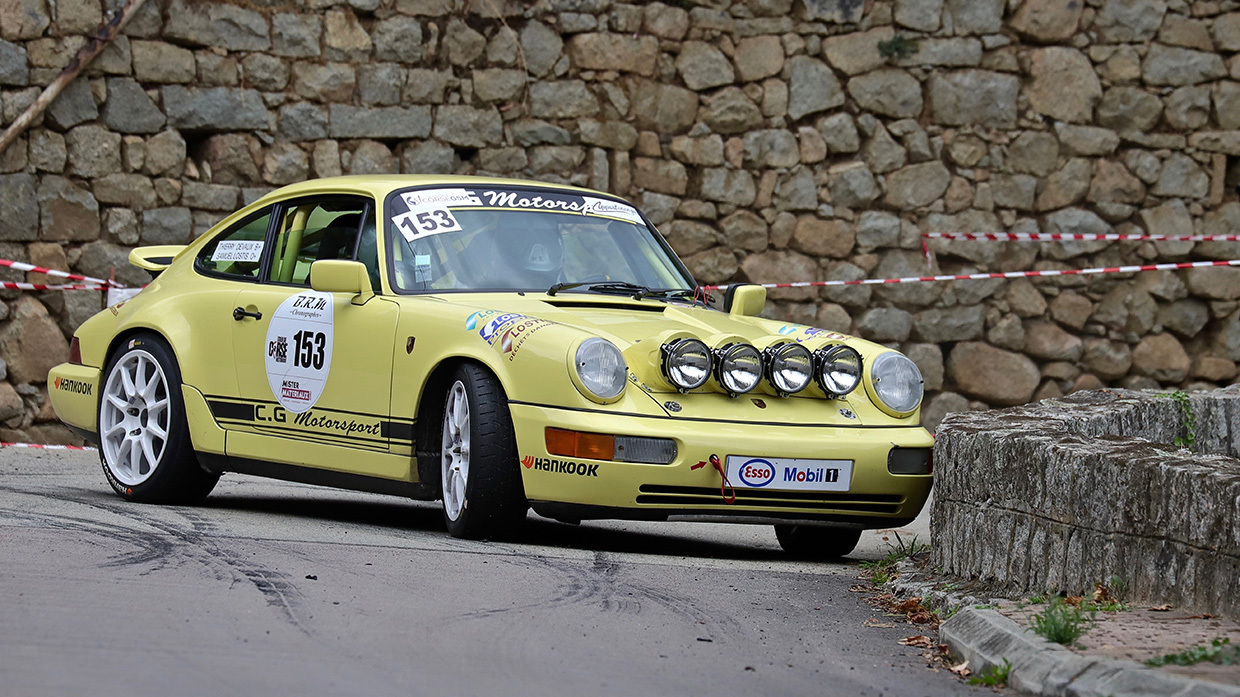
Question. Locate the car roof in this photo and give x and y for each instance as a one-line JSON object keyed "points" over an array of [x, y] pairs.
{"points": [[379, 185]]}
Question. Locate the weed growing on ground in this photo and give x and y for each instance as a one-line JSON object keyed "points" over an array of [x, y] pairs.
{"points": [[994, 676], [1220, 651], [883, 570], [1062, 622]]}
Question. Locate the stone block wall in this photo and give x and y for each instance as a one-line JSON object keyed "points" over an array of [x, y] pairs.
{"points": [[1069, 492], [770, 140]]}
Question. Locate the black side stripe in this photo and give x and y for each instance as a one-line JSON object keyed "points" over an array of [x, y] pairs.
{"points": [[239, 412]]}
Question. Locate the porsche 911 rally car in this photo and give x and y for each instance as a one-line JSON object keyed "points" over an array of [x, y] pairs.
{"points": [[499, 345]]}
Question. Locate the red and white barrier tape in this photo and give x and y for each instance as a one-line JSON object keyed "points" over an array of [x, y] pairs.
{"points": [[22, 266], [43, 286], [1007, 274], [1061, 237], [41, 446]]}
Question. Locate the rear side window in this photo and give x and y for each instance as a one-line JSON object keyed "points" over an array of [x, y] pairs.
{"points": [[237, 252]]}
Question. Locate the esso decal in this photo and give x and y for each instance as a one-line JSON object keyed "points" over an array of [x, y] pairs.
{"points": [[756, 472], [298, 350]]}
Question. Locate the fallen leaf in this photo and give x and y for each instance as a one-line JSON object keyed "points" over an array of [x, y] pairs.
{"points": [[1200, 617], [961, 669], [872, 622], [918, 640], [1161, 608], [1073, 600]]}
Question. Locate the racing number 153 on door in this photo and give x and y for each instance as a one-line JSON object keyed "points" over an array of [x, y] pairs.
{"points": [[308, 351]]}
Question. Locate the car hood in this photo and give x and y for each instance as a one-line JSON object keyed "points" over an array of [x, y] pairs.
{"points": [[640, 327]]}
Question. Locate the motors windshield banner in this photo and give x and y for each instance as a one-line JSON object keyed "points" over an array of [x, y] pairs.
{"points": [[429, 211]]}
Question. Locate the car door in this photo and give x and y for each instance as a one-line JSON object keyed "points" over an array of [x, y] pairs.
{"points": [[314, 369]]}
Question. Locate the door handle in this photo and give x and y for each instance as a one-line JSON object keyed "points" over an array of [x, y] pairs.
{"points": [[239, 313]]}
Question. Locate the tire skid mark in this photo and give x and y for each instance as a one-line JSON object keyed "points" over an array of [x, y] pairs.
{"points": [[178, 544], [280, 593], [600, 582]]}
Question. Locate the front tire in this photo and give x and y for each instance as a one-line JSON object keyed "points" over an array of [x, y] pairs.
{"points": [[816, 543], [482, 492], [144, 447]]}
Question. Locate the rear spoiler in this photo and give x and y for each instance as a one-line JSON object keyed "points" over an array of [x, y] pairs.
{"points": [[156, 258]]}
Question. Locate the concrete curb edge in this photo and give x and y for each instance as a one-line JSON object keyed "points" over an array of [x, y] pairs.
{"points": [[1038, 667]]}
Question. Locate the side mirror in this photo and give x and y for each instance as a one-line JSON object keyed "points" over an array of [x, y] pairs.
{"points": [[745, 299], [339, 276]]}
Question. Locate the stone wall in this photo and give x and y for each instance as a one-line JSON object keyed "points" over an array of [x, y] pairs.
{"points": [[772, 140], [1067, 493]]}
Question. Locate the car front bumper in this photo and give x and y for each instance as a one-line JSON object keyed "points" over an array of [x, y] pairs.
{"points": [[687, 488]]}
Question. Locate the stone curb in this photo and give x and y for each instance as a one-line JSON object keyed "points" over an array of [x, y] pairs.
{"points": [[985, 638]]}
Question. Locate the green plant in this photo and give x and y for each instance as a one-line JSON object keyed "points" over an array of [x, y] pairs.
{"points": [[1063, 623], [1220, 650], [994, 676], [1187, 416], [897, 48], [883, 570]]}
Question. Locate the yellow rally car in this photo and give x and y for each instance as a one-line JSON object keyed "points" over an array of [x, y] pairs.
{"points": [[496, 344]]}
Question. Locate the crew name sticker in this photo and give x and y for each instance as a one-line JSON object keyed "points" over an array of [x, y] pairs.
{"points": [[238, 250], [299, 350]]}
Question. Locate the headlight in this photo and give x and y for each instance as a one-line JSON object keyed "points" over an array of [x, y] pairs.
{"points": [[739, 369], [897, 382], [790, 367], [838, 369], [686, 363], [600, 365]]}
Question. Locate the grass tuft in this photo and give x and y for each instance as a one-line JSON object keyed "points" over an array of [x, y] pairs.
{"points": [[994, 676], [1062, 622], [1220, 651]]}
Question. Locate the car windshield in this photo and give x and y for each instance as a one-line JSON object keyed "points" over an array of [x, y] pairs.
{"points": [[503, 238]]}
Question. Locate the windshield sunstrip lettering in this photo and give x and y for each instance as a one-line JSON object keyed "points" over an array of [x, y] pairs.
{"points": [[789, 473], [428, 203]]}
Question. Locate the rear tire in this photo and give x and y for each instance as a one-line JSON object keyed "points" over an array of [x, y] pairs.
{"points": [[482, 492], [144, 443], [816, 543]]}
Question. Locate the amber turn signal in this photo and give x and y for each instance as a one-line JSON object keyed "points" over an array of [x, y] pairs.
{"points": [[592, 446]]}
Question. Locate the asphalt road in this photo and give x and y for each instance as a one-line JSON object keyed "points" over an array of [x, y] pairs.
{"points": [[276, 588]]}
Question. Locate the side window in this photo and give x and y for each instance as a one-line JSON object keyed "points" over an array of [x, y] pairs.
{"points": [[311, 230], [237, 252]]}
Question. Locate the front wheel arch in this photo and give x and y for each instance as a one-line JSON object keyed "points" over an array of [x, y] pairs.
{"points": [[430, 414]]}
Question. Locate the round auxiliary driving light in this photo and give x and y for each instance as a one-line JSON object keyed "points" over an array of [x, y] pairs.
{"points": [[686, 363], [789, 367], [739, 368], [838, 369], [897, 382]]}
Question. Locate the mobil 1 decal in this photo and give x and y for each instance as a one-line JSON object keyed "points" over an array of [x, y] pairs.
{"points": [[789, 473], [299, 350]]}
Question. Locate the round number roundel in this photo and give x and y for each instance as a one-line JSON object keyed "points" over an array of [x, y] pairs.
{"points": [[299, 350]]}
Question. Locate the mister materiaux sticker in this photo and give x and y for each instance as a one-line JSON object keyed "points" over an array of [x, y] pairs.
{"points": [[299, 350]]}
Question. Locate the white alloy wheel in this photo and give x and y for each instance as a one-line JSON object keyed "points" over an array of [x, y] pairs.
{"points": [[134, 417], [455, 457]]}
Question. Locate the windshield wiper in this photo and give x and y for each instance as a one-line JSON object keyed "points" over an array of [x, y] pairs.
{"points": [[663, 293], [622, 287]]}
